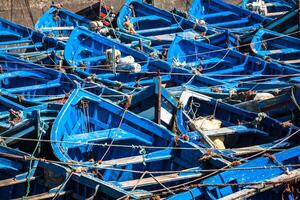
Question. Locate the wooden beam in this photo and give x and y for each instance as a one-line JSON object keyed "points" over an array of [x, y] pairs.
{"points": [[245, 193]]}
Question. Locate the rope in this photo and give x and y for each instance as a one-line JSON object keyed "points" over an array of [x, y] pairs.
{"points": [[184, 56], [30, 163], [115, 134], [131, 146], [225, 167], [72, 163], [133, 189]]}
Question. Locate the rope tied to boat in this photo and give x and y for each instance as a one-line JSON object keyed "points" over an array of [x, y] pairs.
{"points": [[129, 26], [155, 197], [216, 89], [65, 98], [208, 155], [15, 116], [57, 5], [128, 101], [236, 163], [92, 78], [287, 124], [276, 162], [78, 170]]}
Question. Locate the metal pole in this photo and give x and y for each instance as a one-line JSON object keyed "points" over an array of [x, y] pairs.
{"points": [[158, 102]]}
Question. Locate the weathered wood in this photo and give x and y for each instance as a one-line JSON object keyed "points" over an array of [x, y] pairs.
{"points": [[45, 195], [63, 28], [13, 181], [123, 161], [205, 137], [160, 179], [279, 180]]}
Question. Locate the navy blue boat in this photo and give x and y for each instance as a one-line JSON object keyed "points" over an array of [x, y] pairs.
{"points": [[219, 14], [22, 119], [21, 178]]}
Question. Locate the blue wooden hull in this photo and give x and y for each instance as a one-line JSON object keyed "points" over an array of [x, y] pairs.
{"points": [[237, 179], [34, 82], [93, 63], [157, 25], [96, 135], [238, 127], [29, 45], [283, 107], [219, 14], [284, 49], [270, 8], [223, 71], [43, 180], [58, 22]]}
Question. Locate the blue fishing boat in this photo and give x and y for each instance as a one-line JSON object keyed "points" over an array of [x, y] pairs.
{"points": [[283, 106], [222, 126], [202, 57], [34, 82], [260, 178], [159, 26], [107, 61], [21, 119], [286, 24], [29, 45], [39, 84], [275, 46], [99, 129], [270, 8], [22, 178], [227, 73], [58, 22], [219, 14]]}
